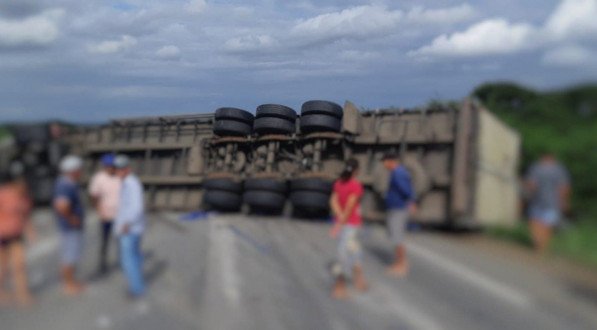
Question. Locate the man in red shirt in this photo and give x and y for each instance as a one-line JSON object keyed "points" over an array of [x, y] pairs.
{"points": [[345, 203]]}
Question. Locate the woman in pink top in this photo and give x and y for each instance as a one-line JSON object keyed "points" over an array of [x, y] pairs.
{"points": [[345, 203], [15, 207]]}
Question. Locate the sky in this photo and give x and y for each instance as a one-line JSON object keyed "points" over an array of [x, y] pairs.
{"points": [[89, 61]]}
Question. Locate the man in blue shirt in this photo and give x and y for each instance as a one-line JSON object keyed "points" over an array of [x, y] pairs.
{"points": [[70, 216], [129, 226], [400, 202]]}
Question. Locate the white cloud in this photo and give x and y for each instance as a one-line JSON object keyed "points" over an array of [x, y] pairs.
{"points": [[250, 43], [493, 36], [196, 6], [38, 30], [367, 21], [569, 56], [168, 52], [113, 46], [573, 18], [440, 16], [355, 22]]}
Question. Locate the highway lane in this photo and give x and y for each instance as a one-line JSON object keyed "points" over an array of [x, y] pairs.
{"points": [[237, 272]]}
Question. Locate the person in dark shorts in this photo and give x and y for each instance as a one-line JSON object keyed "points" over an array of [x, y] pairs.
{"points": [[15, 207], [345, 203], [548, 185], [400, 204], [104, 189], [70, 216]]}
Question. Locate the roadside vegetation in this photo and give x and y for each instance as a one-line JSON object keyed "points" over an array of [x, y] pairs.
{"points": [[563, 122], [3, 133]]}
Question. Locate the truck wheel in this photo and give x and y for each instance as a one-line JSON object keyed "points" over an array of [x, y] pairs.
{"points": [[226, 127], [322, 108], [311, 184], [273, 125], [320, 123], [276, 110], [264, 200], [223, 184], [310, 200], [234, 114], [222, 200], [272, 185]]}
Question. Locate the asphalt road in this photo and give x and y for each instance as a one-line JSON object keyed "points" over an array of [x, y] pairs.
{"points": [[235, 272]]}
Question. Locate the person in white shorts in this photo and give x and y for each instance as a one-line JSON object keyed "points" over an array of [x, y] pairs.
{"points": [[548, 185]]}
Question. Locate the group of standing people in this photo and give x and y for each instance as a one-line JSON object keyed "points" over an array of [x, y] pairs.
{"points": [[547, 187], [346, 209], [117, 195]]}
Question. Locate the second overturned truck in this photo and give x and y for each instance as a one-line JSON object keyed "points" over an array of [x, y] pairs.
{"points": [[463, 160]]}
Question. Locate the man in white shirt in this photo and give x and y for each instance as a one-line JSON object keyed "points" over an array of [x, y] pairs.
{"points": [[104, 189], [129, 226]]}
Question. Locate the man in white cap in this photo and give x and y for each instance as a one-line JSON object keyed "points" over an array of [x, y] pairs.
{"points": [[70, 215], [129, 226]]}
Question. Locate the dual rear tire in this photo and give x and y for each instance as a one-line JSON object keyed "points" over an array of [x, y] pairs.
{"points": [[321, 116], [310, 195], [274, 119], [233, 122], [265, 194], [222, 194]]}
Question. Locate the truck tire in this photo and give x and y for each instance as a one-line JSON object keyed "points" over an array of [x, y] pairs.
{"points": [[264, 200], [222, 200], [234, 114], [276, 110], [273, 125], [271, 185], [312, 123], [227, 127], [311, 200], [223, 184], [322, 108], [311, 184]]}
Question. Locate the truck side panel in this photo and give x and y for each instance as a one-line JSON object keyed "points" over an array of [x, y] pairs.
{"points": [[496, 198]]}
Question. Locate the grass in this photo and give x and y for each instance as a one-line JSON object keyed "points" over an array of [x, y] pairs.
{"points": [[518, 234], [576, 241], [4, 133]]}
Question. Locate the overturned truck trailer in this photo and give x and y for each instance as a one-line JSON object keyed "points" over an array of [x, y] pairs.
{"points": [[463, 161]]}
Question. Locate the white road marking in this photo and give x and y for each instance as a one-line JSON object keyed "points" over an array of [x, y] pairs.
{"points": [[472, 277], [224, 252]]}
